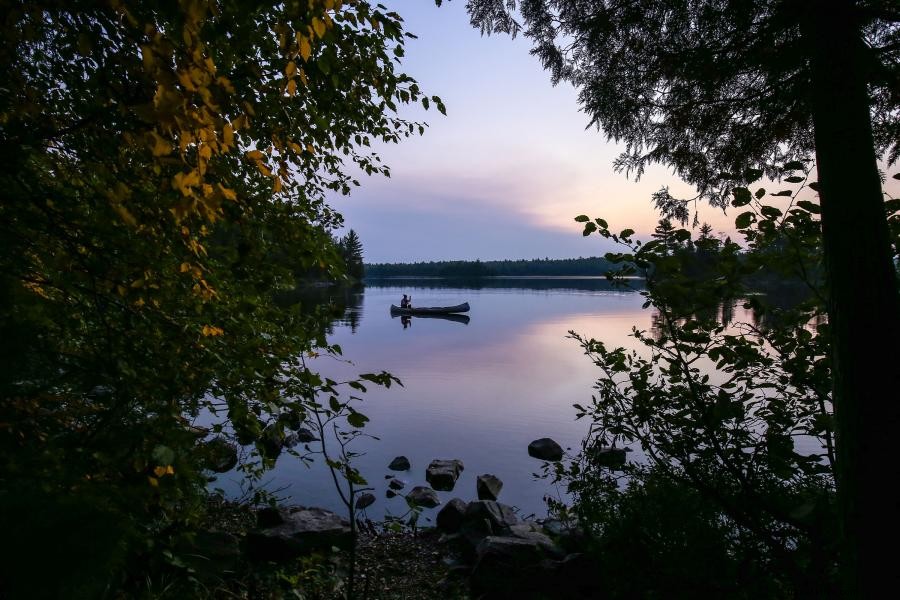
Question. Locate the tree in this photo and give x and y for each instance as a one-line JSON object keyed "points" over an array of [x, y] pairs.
{"points": [[352, 253], [711, 88], [164, 169]]}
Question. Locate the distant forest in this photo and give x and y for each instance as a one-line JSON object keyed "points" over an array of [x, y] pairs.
{"points": [[493, 268]]}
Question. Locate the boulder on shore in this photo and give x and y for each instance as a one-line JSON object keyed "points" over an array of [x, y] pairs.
{"points": [[450, 518], [301, 530], [365, 500], [545, 449], [442, 474], [424, 496], [488, 487]]}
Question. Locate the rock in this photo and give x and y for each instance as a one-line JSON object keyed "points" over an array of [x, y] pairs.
{"points": [[272, 441], [423, 496], [608, 457], [306, 436], [396, 484], [303, 530], [365, 500], [545, 449], [567, 534], [442, 474], [390, 493], [489, 517], [532, 532], [508, 567], [401, 463], [450, 518], [488, 487], [270, 516], [220, 455]]}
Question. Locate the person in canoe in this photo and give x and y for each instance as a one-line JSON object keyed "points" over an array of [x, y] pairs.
{"points": [[405, 302]]}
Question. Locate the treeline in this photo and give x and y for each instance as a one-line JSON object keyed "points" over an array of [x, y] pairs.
{"points": [[494, 268]]}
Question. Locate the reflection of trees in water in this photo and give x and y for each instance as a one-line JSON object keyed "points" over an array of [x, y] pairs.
{"points": [[342, 305], [762, 311]]}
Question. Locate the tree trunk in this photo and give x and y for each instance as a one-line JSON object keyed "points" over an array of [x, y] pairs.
{"points": [[864, 308]]}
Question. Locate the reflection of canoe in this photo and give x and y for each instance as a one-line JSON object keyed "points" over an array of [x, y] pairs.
{"points": [[430, 310], [464, 319]]}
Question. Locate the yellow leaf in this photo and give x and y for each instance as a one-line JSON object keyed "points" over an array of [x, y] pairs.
{"points": [[255, 155], [291, 69], [291, 87], [305, 47], [310, 149], [159, 471], [266, 171], [170, 470], [160, 146], [228, 136], [212, 331], [153, 481], [303, 78], [205, 151], [125, 215], [229, 194], [277, 186], [318, 26]]}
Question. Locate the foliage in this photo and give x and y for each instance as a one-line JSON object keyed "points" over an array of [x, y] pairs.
{"points": [[733, 416], [711, 88], [352, 252], [706, 86], [164, 174], [492, 268]]}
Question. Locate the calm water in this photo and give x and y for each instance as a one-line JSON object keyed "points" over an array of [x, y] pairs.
{"points": [[477, 391]]}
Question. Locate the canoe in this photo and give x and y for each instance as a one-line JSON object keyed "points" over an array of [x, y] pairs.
{"points": [[430, 310]]}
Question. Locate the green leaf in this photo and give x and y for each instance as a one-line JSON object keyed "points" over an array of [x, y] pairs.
{"points": [[163, 455], [809, 206], [744, 219], [601, 223], [794, 165], [770, 212], [783, 193], [760, 193], [626, 233], [741, 196], [357, 419], [813, 185], [794, 179], [589, 228], [751, 175], [582, 219]]}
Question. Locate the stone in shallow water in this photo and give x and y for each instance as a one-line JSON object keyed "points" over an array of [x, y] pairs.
{"points": [[396, 484], [545, 449], [365, 500], [488, 487], [424, 496], [442, 474], [401, 463], [219, 455]]}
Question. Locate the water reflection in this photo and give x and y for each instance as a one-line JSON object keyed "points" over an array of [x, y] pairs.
{"points": [[406, 320]]}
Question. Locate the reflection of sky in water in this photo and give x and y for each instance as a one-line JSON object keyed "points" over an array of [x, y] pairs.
{"points": [[478, 392]]}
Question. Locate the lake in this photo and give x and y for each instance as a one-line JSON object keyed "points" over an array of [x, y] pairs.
{"points": [[477, 391]]}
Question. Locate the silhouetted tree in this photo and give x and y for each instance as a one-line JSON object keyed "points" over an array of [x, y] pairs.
{"points": [[352, 252], [711, 87]]}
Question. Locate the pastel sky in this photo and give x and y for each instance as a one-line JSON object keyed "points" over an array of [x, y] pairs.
{"points": [[505, 172]]}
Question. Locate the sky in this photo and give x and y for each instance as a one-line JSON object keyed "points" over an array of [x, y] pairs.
{"points": [[503, 175]]}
